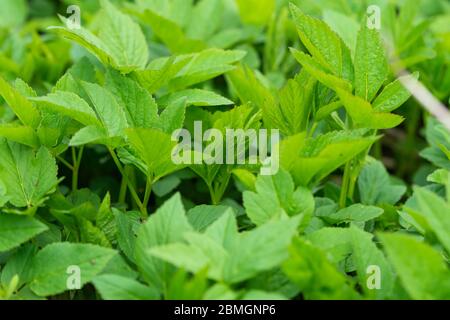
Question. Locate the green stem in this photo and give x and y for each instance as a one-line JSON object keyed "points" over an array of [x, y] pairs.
{"points": [[64, 162], [123, 190], [76, 166], [131, 176], [345, 185], [377, 153], [130, 186], [447, 187], [148, 192], [352, 184], [218, 191], [212, 194], [313, 129], [74, 170]]}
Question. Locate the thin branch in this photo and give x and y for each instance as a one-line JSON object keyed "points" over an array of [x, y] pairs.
{"points": [[417, 89]]}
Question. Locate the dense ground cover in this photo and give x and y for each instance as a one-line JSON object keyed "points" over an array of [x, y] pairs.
{"points": [[337, 185]]}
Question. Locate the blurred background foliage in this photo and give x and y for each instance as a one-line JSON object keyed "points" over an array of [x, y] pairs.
{"points": [[417, 31]]}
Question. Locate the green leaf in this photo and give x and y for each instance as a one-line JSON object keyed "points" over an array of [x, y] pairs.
{"points": [[8, 65], [53, 130], [345, 26], [310, 160], [202, 66], [393, 95], [252, 255], [184, 287], [12, 13], [423, 272], [355, 213], [309, 268], [68, 104], [371, 68], [376, 187], [335, 242], [166, 185], [89, 233], [363, 114], [250, 90], [201, 252], [166, 226], [256, 12], [174, 10], [119, 266], [436, 212], [89, 134], [25, 110], [440, 176], [15, 230], [246, 178], [288, 110], [109, 111], [276, 197], [326, 110], [324, 45], [127, 226], [119, 43], [295, 100], [224, 231], [228, 255], [114, 287], [438, 138], [28, 176], [18, 264], [20, 134], [105, 219], [201, 217], [262, 295], [320, 73], [89, 41], [203, 27], [196, 97], [366, 254], [139, 106], [144, 142], [157, 76], [123, 38], [170, 33], [220, 292], [51, 264]]}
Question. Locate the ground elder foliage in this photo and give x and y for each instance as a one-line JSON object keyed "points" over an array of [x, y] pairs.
{"points": [[224, 149]]}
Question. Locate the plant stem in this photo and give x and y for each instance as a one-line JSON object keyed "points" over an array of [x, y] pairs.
{"points": [[312, 130], [123, 190], [130, 186], [377, 153], [212, 195], [217, 192], [64, 162], [74, 170], [352, 184], [76, 166], [345, 185], [447, 187], [148, 192], [131, 176]]}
